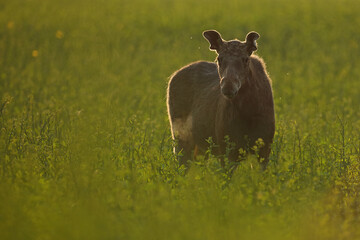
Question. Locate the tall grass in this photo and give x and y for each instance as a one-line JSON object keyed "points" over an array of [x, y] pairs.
{"points": [[85, 146]]}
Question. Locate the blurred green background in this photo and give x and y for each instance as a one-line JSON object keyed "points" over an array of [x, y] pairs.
{"points": [[85, 146]]}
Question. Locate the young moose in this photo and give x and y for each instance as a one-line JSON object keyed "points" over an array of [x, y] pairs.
{"points": [[231, 98]]}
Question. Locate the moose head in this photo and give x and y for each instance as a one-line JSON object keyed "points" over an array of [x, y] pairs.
{"points": [[233, 60]]}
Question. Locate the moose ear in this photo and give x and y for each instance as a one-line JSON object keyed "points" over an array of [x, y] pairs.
{"points": [[214, 38], [251, 38]]}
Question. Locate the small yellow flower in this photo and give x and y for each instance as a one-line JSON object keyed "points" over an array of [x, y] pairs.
{"points": [[59, 34], [10, 25], [35, 53]]}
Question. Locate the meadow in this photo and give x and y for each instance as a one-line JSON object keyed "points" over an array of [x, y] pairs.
{"points": [[85, 144]]}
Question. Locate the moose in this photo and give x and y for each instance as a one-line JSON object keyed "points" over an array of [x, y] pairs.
{"points": [[230, 98]]}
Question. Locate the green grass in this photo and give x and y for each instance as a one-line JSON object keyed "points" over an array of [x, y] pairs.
{"points": [[85, 146]]}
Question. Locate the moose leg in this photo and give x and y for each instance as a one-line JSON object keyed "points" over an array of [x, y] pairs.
{"points": [[229, 155], [264, 156], [183, 151], [182, 134]]}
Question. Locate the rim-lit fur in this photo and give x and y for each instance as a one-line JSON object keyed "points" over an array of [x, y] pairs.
{"points": [[232, 97]]}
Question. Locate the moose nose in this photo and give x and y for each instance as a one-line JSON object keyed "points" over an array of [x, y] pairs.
{"points": [[228, 92]]}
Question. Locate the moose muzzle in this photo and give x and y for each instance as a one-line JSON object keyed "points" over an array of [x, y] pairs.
{"points": [[229, 88]]}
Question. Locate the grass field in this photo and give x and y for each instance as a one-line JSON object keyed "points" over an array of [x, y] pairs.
{"points": [[85, 146]]}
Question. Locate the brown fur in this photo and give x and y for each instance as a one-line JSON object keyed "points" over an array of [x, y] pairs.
{"points": [[234, 99]]}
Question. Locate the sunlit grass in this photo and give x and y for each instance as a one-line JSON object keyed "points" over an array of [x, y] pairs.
{"points": [[85, 146]]}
